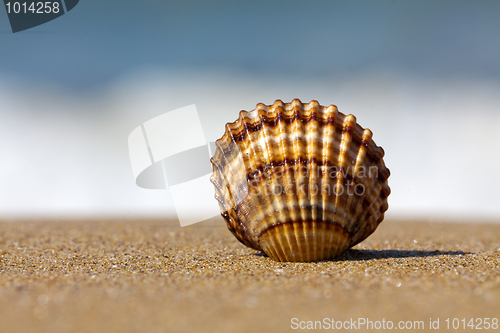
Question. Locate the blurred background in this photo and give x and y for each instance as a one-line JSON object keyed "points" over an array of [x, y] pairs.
{"points": [[424, 76]]}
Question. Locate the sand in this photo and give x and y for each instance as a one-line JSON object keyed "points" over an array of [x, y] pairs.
{"points": [[153, 276]]}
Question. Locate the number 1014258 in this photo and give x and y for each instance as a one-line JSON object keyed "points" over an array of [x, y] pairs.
{"points": [[33, 7]]}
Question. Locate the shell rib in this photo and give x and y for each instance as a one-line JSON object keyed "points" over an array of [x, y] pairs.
{"points": [[300, 182]]}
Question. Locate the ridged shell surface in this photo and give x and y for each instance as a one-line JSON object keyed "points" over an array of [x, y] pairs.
{"points": [[300, 182]]}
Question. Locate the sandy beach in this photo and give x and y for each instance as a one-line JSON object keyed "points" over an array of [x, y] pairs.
{"points": [[154, 276]]}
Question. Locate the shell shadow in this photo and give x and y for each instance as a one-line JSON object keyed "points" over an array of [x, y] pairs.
{"points": [[360, 255]]}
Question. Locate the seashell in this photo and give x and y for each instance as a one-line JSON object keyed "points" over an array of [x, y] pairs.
{"points": [[300, 182]]}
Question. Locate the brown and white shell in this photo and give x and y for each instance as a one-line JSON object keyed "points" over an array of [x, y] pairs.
{"points": [[301, 182]]}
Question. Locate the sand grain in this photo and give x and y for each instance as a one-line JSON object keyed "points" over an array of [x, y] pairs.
{"points": [[153, 276]]}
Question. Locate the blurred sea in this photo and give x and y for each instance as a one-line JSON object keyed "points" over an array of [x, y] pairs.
{"points": [[423, 76]]}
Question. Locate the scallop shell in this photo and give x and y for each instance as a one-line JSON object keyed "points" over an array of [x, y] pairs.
{"points": [[300, 182]]}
